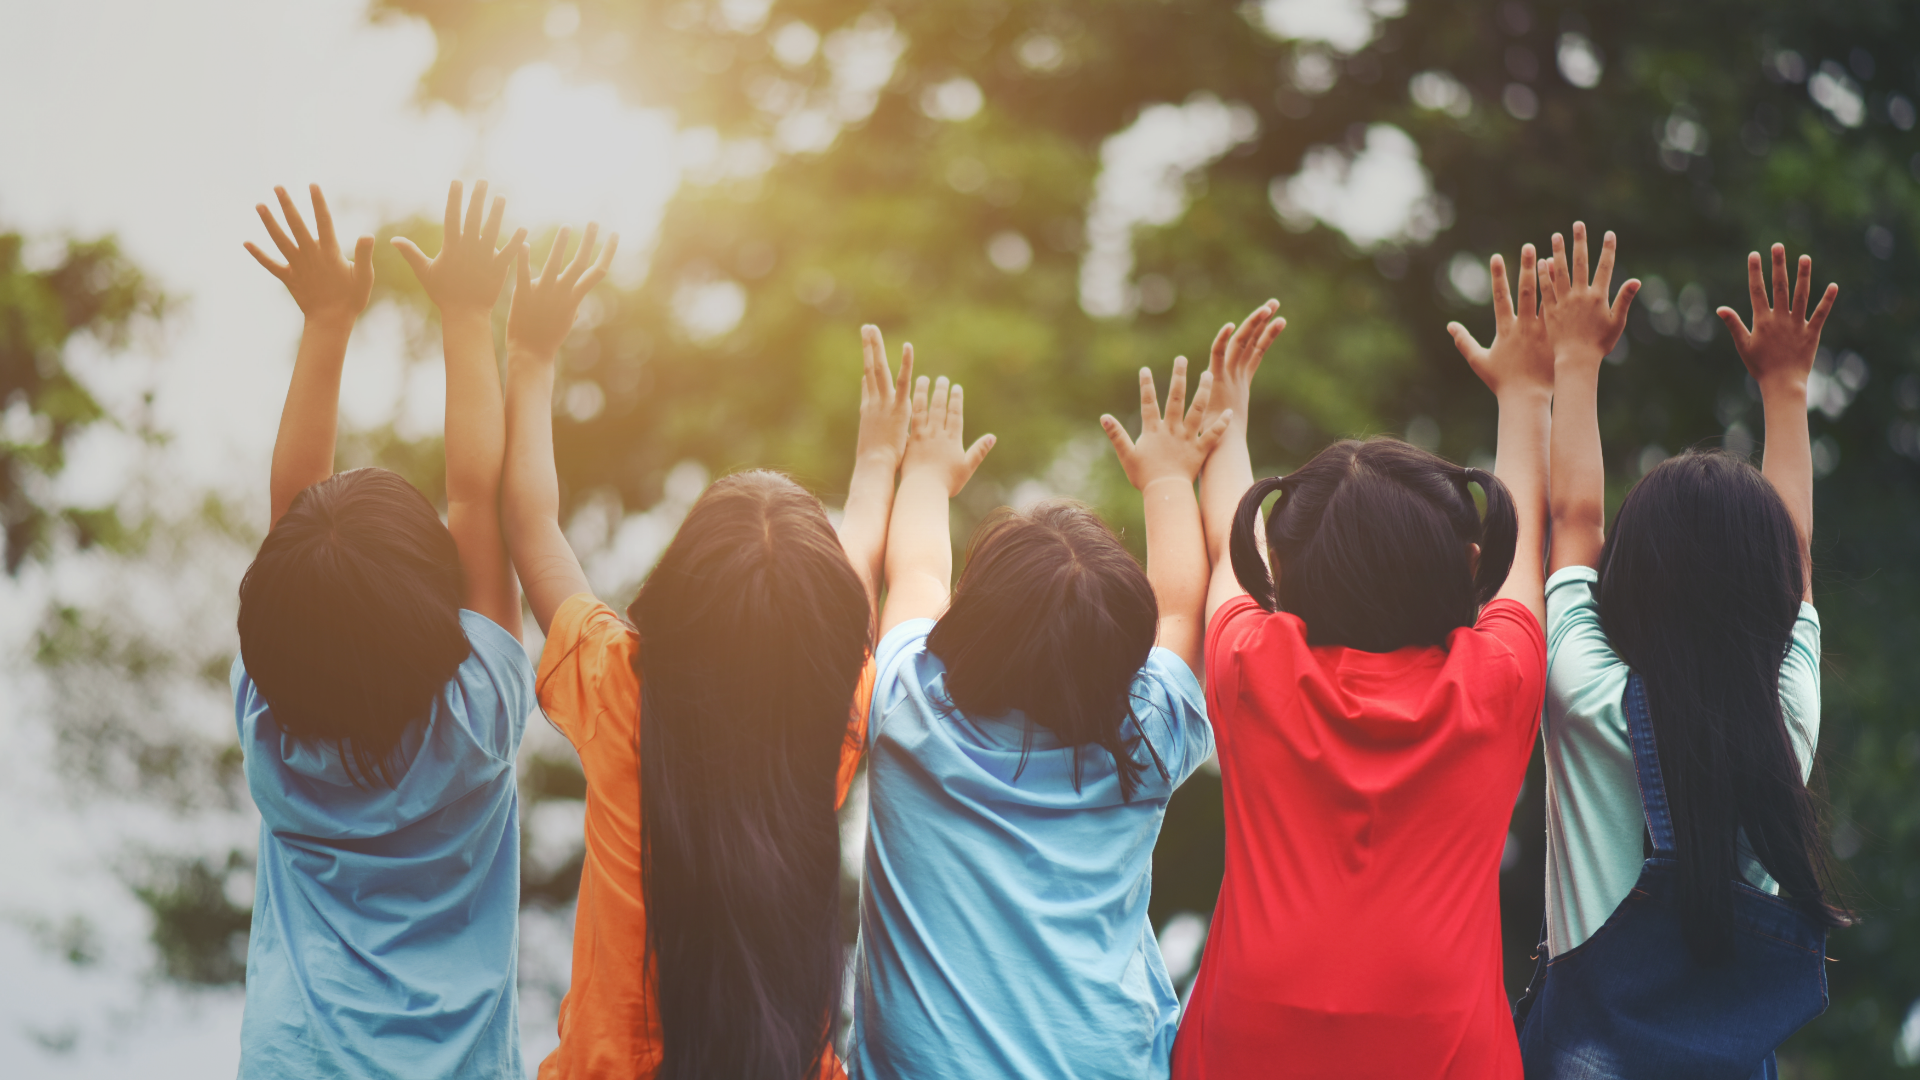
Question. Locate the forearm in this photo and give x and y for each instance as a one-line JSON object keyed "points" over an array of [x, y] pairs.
{"points": [[919, 555], [1177, 565], [530, 490], [1577, 475], [1787, 462], [1223, 482], [303, 449], [476, 415], [1520, 462], [863, 521]]}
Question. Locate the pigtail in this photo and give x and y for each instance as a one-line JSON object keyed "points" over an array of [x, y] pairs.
{"points": [[1248, 568], [1499, 532]]}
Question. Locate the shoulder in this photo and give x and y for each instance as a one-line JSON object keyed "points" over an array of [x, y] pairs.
{"points": [[901, 648], [1172, 711], [496, 677]]}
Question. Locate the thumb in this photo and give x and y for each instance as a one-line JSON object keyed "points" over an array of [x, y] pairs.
{"points": [[1464, 341], [1623, 300], [1735, 326], [414, 256], [1117, 435], [1216, 431], [977, 453], [363, 260]]}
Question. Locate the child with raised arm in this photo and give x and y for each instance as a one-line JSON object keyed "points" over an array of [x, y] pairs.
{"points": [[719, 727], [1374, 680], [1024, 747], [1683, 704], [380, 692]]}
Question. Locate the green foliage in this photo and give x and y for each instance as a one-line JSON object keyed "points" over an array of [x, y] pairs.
{"points": [[90, 290], [201, 935], [1706, 130]]}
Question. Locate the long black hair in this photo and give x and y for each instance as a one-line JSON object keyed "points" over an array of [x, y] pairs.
{"points": [[1369, 543], [350, 616], [753, 628], [1053, 617], [1700, 584]]}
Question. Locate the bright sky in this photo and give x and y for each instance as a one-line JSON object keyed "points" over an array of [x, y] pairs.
{"points": [[165, 123]]}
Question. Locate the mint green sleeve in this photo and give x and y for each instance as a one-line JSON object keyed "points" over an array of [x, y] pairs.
{"points": [[1585, 677], [1800, 687]]}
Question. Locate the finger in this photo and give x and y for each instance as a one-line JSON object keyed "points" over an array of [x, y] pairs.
{"points": [[490, 233], [1623, 302], [1580, 277], [1149, 402], [937, 403], [1267, 337], [1217, 356], [1562, 280], [921, 406], [471, 230], [1802, 285], [977, 453], [1215, 431], [511, 251], [1502, 299], [1824, 308], [1603, 272], [322, 219], [1735, 327], [278, 270], [279, 236], [1177, 390], [1549, 283], [906, 370], [1529, 282], [873, 356], [1202, 396], [1117, 435], [363, 261], [295, 223], [582, 256], [556, 255], [1780, 277], [450, 222], [1463, 340], [414, 256], [600, 267], [1756, 285], [1239, 348], [956, 400]]}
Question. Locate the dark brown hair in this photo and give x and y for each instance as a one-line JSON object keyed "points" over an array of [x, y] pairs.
{"points": [[754, 629], [1700, 584], [1054, 618], [350, 616], [1370, 541]]}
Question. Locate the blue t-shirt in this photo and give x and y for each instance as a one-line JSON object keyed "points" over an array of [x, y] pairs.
{"points": [[386, 920], [1003, 921]]}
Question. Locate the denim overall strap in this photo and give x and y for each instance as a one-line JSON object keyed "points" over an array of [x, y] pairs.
{"points": [[1646, 767]]}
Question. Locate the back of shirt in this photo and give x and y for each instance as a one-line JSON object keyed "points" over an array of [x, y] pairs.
{"points": [[1003, 915], [386, 919]]}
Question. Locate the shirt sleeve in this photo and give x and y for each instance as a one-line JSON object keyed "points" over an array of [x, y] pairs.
{"points": [[1584, 674], [1800, 687], [1510, 628], [507, 668], [891, 660], [856, 741], [1232, 623], [1172, 710], [584, 637]]}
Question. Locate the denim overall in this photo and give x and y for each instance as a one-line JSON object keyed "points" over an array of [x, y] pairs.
{"points": [[1630, 1002]]}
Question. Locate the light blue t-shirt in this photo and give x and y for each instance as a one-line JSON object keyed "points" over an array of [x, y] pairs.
{"points": [[386, 920], [1003, 921], [1594, 821]]}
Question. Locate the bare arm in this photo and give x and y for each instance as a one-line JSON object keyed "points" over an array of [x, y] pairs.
{"points": [[1228, 473], [936, 466], [1582, 327], [542, 314], [331, 292], [885, 408], [1162, 466], [464, 281], [1778, 352]]}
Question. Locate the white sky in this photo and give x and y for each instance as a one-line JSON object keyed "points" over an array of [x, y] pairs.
{"points": [[164, 123]]}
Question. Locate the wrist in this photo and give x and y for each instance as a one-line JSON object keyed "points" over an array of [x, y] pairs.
{"points": [[1166, 478], [466, 313], [332, 321], [519, 352], [875, 457], [1524, 393], [1785, 385], [1577, 354]]}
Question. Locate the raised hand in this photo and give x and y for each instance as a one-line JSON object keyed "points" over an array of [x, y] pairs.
{"points": [[325, 284], [1580, 321], [468, 272], [1783, 341], [1175, 445], [886, 405], [934, 448], [1236, 356], [544, 307], [1521, 354]]}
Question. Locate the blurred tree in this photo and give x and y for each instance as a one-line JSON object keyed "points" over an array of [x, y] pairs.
{"points": [[85, 288], [937, 168]]}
